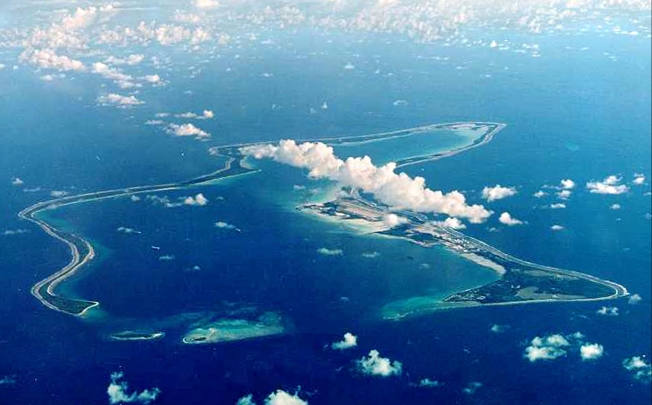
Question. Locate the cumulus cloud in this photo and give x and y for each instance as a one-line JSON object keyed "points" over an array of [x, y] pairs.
{"points": [[154, 79], [281, 397], [507, 219], [564, 194], [246, 400], [330, 252], [608, 311], [557, 228], [127, 230], [370, 255], [12, 232], [187, 130], [227, 226], [374, 365], [567, 184], [552, 347], [539, 194], [58, 193], [17, 181], [634, 299], [472, 387], [398, 190], [197, 201], [639, 179], [497, 192], [640, 368], [615, 206], [547, 348], [453, 223], [392, 220], [48, 59], [591, 351], [557, 206], [610, 185], [130, 60], [428, 383], [118, 392], [349, 341], [205, 115], [495, 328], [113, 99], [205, 4], [108, 72]]}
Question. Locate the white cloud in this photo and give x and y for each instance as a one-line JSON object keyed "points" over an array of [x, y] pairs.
{"points": [[330, 252], [453, 223], [226, 225], [197, 201], [634, 299], [564, 194], [472, 387], [48, 59], [370, 255], [131, 60], [399, 191], [281, 397], [17, 181], [608, 311], [349, 66], [495, 328], [539, 194], [497, 192], [206, 4], [507, 219], [557, 206], [119, 100], [187, 130], [392, 220], [246, 400], [428, 383], [58, 193], [205, 115], [567, 184], [610, 185], [11, 232], [640, 368], [547, 348], [119, 393], [615, 206], [375, 365], [153, 79], [349, 341], [127, 230], [108, 72], [557, 227], [639, 179], [591, 351]]}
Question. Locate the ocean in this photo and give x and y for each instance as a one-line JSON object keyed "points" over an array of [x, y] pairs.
{"points": [[570, 113]]}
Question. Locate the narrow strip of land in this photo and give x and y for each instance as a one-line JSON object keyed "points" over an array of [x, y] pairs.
{"points": [[81, 250]]}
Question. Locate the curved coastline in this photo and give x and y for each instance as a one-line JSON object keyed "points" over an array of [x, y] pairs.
{"points": [[82, 251]]}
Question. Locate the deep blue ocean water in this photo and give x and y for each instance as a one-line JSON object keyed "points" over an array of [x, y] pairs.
{"points": [[570, 114]]}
